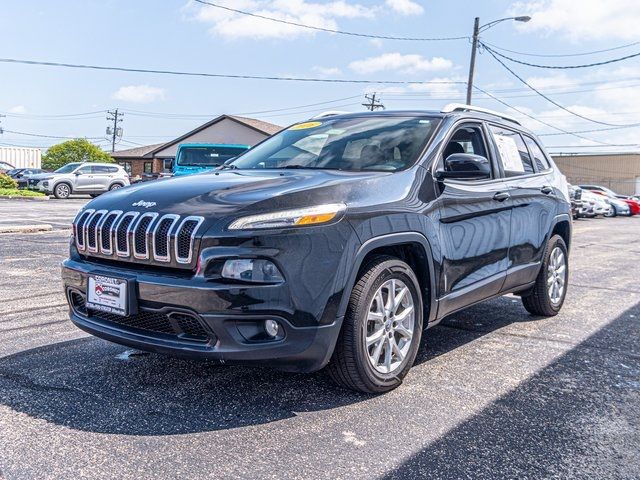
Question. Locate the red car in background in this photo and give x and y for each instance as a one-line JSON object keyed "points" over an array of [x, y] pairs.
{"points": [[634, 205]]}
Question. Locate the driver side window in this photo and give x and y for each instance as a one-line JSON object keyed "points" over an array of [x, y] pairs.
{"points": [[466, 139]]}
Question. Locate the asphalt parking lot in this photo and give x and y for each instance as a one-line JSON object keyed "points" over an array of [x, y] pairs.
{"points": [[495, 392]]}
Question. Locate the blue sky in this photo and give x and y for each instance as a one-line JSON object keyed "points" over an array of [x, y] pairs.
{"points": [[181, 35]]}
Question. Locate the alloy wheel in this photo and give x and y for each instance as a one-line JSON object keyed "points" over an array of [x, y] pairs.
{"points": [[390, 324], [63, 190], [557, 275]]}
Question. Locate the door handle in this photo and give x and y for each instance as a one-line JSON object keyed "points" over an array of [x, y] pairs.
{"points": [[546, 190], [501, 196]]}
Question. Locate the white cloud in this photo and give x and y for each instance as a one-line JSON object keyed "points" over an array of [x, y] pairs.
{"points": [[232, 25], [580, 20], [18, 109], [559, 81], [405, 7], [327, 71], [139, 94], [401, 63]]}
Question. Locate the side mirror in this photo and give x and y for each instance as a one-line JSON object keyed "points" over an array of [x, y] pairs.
{"points": [[77, 173], [465, 165]]}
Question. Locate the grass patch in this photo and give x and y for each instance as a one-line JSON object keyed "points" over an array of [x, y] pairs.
{"points": [[14, 192]]}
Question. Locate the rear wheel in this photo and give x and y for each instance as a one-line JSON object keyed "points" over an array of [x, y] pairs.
{"points": [[548, 294], [381, 331], [62, 191], [115, 186]]}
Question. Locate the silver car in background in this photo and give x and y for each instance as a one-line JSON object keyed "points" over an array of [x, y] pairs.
{"points": [[83, 178]]}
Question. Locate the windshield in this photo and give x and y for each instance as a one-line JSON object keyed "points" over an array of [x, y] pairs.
{"points": [[207, 156], [68, 168], [359, 143]]}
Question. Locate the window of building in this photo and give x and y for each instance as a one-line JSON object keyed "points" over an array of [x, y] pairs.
{"points": [[126, 166], [167, 164], [148, 167]]}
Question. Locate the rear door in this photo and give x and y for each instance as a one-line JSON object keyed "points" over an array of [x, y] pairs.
{"points": [[102, 176], [533, 199], [475, 219]]}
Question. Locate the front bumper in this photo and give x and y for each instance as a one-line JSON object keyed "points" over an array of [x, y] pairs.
{"points": [[225, 329]]}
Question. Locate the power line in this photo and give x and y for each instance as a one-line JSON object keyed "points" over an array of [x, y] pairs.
{"points": [[521, 112], [329, 30], [550, 100], [33, 115], [561, 55], [562, 67], [220, 75], [49, 136]]}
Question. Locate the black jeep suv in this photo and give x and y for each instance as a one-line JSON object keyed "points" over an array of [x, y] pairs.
{"points": [[334, 243]]}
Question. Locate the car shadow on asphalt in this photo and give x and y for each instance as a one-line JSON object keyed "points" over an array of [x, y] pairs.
{"points": [[575, 418], [87, 384]]}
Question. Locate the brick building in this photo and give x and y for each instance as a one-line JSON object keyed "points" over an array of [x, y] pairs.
{"points": [[225, 129]]}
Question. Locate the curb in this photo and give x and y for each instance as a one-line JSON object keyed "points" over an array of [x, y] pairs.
{"points": [[26, 228], [30, 199]]}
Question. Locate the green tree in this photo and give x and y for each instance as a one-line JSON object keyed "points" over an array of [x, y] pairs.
{"points": [[79, 150]]}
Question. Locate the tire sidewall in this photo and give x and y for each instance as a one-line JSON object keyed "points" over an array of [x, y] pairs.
{"points": [[115, 186], [556, 241], [57, 195], [385, 271]]}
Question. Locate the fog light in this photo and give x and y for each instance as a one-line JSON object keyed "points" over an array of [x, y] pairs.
{"points": [[272, 328], [248, 270]]}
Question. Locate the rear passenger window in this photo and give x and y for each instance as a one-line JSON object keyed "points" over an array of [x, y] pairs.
{"points": [[513, 152], [538, 155], [100, 169], [112, 169]]}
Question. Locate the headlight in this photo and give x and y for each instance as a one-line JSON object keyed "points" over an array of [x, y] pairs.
{"points": [[290, 218], [247, 270]]}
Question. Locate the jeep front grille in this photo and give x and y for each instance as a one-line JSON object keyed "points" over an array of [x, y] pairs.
{"points": [[134, 236]]}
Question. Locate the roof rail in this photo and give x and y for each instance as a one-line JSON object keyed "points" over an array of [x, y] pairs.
{"points": [[461, 107], [330, 113]]}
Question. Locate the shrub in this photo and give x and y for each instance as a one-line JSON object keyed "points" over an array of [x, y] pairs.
{"points": [[7, 182]]}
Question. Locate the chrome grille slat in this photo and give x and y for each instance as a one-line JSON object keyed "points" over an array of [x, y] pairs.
{"points": [[78, 228], [186, 233], [121, 233], [161, 237], [92, 231], [106, 231], [137, 235], [140, 234]]}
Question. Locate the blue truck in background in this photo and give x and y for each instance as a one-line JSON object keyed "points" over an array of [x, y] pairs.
{"points": [[201, 157]]}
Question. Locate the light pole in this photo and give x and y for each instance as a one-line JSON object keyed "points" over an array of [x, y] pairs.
{"points": [[477, 29]]}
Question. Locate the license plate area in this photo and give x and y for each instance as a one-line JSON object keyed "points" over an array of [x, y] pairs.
{"points": [[111, 294]]}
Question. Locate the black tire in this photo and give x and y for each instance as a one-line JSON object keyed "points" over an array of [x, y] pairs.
{"points": [[62, 191], [538, 300], [115, 186], [350, 365]]}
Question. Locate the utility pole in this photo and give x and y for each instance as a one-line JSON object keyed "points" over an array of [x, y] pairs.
{"points": [[477, 29], [472, 65], [1, 130], [115, 131], [373, 103]]}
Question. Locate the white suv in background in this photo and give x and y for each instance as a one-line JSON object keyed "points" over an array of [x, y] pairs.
{"points": [[86, 178]]}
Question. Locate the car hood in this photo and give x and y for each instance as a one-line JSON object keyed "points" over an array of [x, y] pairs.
{"points": [[223, 193], [40, 176]]}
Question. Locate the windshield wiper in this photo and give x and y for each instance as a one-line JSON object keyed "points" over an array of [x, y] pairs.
{"points": [[228, 166]]}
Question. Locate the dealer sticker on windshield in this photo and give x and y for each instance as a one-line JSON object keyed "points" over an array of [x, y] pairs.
{"points": [[304, 126], [107, 294]]}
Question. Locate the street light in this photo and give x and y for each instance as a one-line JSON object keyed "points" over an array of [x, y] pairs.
{"points": [[477, 29]]}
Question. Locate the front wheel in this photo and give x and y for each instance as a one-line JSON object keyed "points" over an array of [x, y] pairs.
{"points": [[381, 331], [548, 294], [611, 212], [62, 191]]}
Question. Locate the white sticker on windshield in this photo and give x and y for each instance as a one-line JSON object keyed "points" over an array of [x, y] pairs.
{"points": [[509, 153]]}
